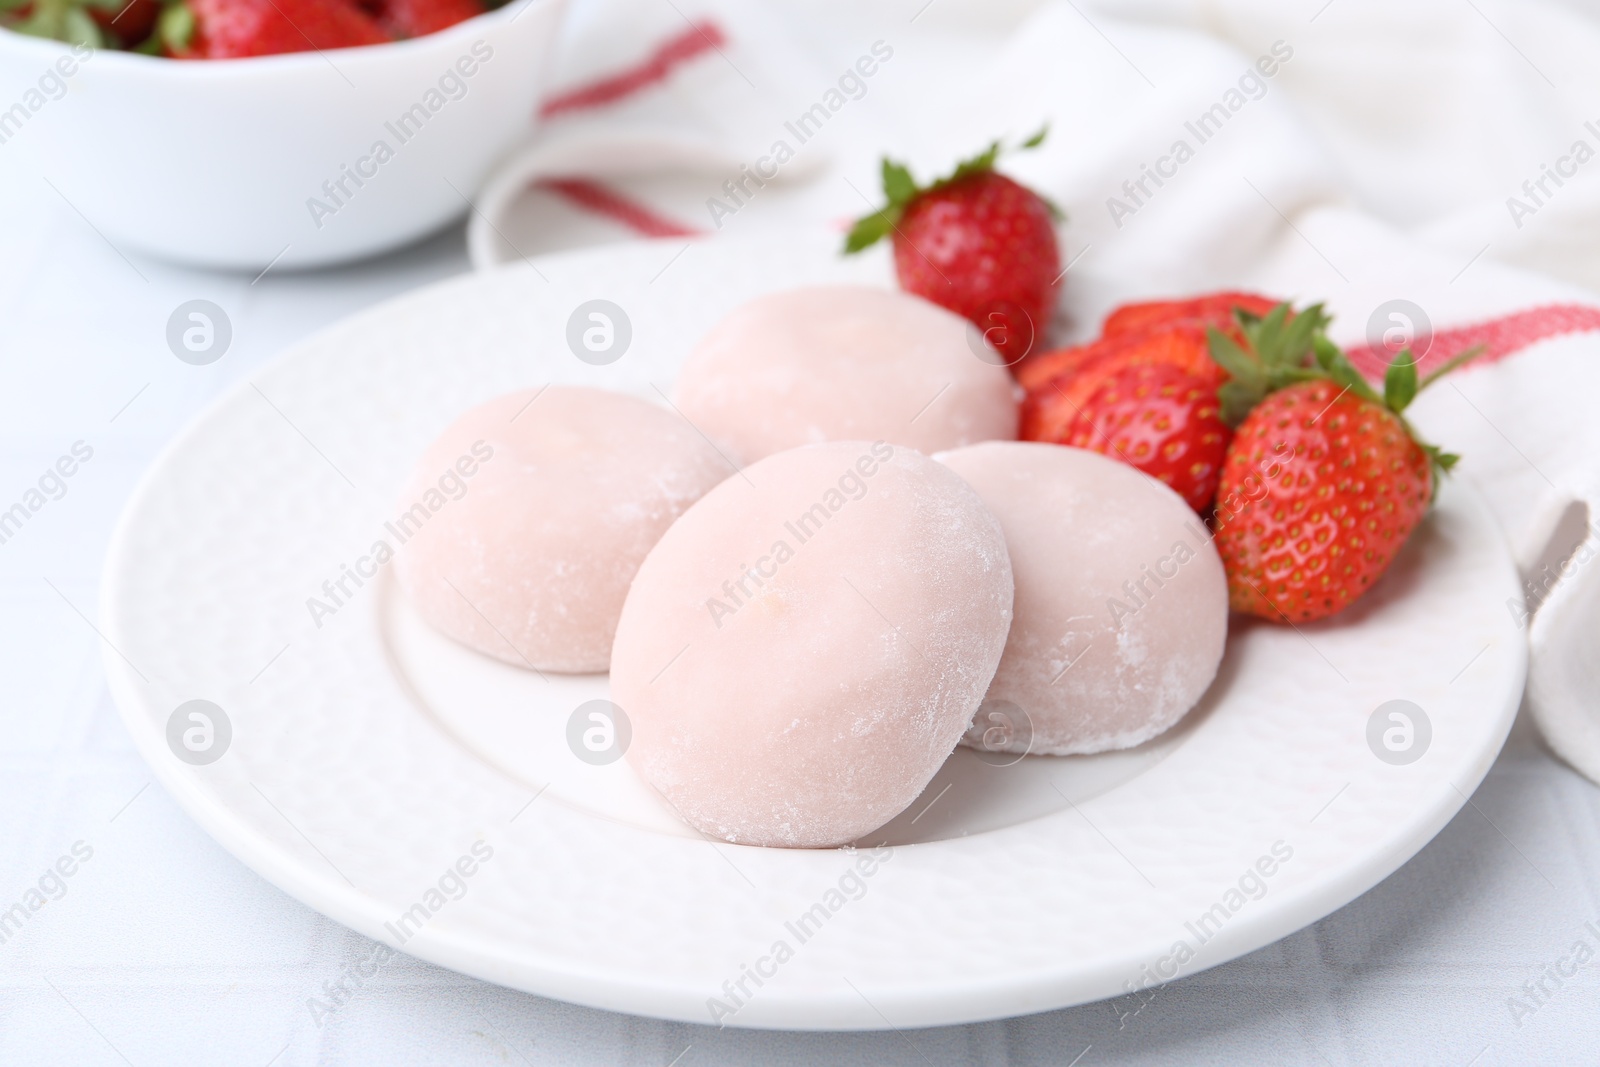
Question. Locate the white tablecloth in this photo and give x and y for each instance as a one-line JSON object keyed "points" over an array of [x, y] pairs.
{"points": [[160, 948]]}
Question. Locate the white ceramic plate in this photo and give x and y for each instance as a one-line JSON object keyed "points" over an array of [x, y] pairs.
{"points": [[368, 756]]}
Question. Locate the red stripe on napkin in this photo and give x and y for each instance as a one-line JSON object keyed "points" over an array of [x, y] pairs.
{"points": [[613, 205], [700, 37], [1500, 337]]}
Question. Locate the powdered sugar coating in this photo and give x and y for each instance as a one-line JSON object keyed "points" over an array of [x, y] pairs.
{"points": [[844, 362], [570, 488], [813, 704], [1121, 604]]}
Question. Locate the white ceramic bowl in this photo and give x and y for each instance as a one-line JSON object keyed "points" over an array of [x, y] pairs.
{"points": [[242, 162]]}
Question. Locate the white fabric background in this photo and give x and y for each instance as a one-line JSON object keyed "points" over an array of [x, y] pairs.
{"points": [[165, 950]]}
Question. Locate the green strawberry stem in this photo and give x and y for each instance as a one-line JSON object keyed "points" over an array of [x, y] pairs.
{"points": [[900, 188], [174, 30], [1274, 356], [71, 21], [1400, 381], [1280, 351], [61, 20], [1451, 364]]}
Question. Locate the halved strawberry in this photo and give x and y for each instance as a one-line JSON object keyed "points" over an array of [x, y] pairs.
{"points": [[1059, 384], [1165, 330], [1215, 309], [1038, 371], [1182, 343], [1161, 419]]}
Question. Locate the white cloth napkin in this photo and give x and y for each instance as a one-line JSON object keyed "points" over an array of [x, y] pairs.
{"points": [[1193, 145]]}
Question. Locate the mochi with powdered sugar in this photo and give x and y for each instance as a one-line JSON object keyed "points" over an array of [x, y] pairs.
{"points": [[845, 362], [536, 510], [1121, 602], [806, 645]]}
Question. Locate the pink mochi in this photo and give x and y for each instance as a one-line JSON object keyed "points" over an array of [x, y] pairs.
{"points": [[1121, 606], [806, 645], [536, 510], [844, 362]]}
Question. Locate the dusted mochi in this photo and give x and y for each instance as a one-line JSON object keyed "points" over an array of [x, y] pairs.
{"points": [[804, 648], [536, 510], [1122, 604], [841, 363]]}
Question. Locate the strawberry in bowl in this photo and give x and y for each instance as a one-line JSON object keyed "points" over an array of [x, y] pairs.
{"points": [[233, 29], [243, 134]]}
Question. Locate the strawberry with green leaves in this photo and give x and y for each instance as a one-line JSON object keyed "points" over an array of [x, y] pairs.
{"points": [[228, 29], [1325, 480], [233, 29], [94, 23], [975, 242]]}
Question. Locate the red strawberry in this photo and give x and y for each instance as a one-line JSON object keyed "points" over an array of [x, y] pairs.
{"points": [[1050, 407], [229, 29], [418, 18], [1215, 309], [1142, 328], [1324, 481], [1035, 372], [1183, 344], [128, 22], [1162, 420], [1045, 379], [977, 243]]}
